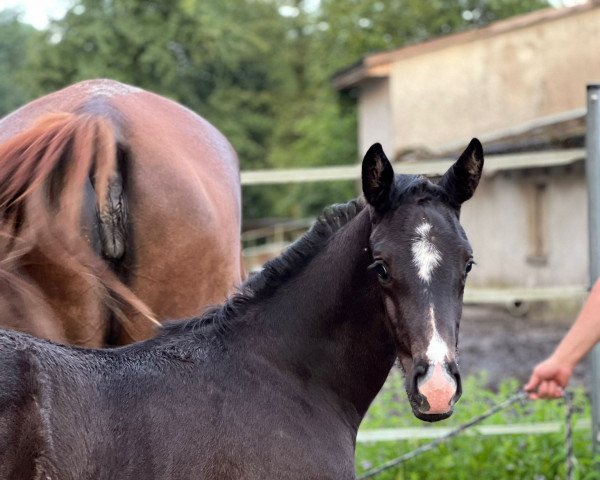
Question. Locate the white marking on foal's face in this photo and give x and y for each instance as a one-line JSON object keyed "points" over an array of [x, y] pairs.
{"points": [[426, 256], [437, 350]]}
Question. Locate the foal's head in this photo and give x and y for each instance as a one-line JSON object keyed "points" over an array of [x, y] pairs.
{"points": [[421, 257]]}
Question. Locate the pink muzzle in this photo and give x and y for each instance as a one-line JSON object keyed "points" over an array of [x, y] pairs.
{"points": [[438, 386]]}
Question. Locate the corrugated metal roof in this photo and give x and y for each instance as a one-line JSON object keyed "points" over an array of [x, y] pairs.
{"points": [[558, 129]]}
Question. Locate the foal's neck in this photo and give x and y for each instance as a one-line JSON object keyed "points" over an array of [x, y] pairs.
{"points": [[327, 324]]}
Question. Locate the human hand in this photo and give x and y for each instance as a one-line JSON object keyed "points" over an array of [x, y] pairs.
{"points": [[548, 379]]}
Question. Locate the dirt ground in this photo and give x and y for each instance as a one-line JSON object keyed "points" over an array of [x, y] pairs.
{"points": [[504, 346]]}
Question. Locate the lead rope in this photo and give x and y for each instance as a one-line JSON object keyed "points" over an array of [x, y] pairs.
{"points": [[517, 397], [570, 459]]}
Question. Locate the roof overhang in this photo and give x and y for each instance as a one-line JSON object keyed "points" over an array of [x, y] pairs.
{"points": [[378, 65], [367, 68]]}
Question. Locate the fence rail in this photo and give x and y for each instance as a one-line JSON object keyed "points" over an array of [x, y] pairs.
{"points": [[399, 434], [493, 163]]}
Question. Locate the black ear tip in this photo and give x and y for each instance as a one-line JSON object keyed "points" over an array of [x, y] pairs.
{"points": [[375, 149], [476, 146]]}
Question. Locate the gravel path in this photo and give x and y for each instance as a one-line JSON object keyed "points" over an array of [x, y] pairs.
{"points": [[505, 346]]}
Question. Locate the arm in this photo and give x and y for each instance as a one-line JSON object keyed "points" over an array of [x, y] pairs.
{"points": [[553, 374]]}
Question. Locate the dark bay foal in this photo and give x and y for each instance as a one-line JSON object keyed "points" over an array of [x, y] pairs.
{"points": [[274, 384]]}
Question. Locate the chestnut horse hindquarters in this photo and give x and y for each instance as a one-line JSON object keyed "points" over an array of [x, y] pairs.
{"points": [[115, 203], [45, 179]]}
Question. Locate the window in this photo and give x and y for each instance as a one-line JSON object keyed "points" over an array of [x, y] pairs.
{"points": [[536, 222]]}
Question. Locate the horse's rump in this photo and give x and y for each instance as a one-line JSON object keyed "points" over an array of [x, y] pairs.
{"points": [[115, 203], [62, 204]]}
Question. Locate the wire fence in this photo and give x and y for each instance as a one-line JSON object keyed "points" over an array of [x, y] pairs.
{"points": [[519, 396]]}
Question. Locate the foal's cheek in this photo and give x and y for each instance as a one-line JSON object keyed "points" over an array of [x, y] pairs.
{"points": [[393, 323], [405, 362], [391, 310]]}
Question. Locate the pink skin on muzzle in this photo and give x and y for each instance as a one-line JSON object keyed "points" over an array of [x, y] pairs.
{"points": [[439, 388]]}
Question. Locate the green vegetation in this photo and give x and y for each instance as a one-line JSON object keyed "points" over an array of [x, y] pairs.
{"points": [[466, 457], [258, 69], [15, 38]]}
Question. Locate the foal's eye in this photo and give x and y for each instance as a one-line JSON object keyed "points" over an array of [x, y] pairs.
{"points": [[380, 269], [469, 266]]}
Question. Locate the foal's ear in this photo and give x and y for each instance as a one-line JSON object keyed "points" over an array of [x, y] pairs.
{"points": [[377, 178], [462, 178]]}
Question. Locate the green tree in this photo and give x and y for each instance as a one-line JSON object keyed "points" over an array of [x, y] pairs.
{"points": [[353, 28], [15, 38], [259, 70], [218, 58], [319, 126], [212, 56]]}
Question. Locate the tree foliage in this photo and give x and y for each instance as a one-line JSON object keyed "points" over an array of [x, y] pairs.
{"points": [[211, 56], [14, 40], [357, 27], [258, 69]]}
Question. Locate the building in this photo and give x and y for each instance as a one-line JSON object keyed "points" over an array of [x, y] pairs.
{"points": [[520, 86]]}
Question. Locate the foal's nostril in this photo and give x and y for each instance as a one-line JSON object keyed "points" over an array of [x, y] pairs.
{"points": [[419, 373], [453, 369]]}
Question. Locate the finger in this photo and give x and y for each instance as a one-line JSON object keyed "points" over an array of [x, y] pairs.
{"points": [[533, 382], [557, 391], [550, 390], [544, 389]]}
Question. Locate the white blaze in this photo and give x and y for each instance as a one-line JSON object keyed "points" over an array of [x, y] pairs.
{"points": [[437, 350], [426, 256]]}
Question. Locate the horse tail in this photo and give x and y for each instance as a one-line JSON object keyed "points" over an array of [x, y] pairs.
{"points": [[44, 173]]}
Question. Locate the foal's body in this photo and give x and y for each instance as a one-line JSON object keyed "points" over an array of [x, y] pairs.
{"points": [[274, 384], [226, 413]]}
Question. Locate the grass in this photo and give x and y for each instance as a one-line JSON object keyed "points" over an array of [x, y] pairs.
{"points": [[536, 457]]}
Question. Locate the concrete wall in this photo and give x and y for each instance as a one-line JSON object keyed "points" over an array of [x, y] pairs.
{"points": [[498, 223], [374, 116], [489, 84], [444, 96]]}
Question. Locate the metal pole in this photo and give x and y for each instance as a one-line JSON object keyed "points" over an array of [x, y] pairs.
{"points": [[592, 168]]}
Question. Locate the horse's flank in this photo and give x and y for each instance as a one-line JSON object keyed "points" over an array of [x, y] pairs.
{"points": [[114, 203]]}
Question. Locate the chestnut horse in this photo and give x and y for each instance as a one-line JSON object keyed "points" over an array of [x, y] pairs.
{"points": [[117, 207]]}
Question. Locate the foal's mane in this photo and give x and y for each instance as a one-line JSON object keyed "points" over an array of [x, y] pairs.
{"points": [[260, 286], [275, 272]]}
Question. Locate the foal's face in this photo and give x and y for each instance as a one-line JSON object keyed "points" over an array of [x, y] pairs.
{"points": [[421, 258]]}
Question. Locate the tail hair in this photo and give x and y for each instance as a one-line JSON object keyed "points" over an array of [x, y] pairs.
{"points": [[43, 175]]}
